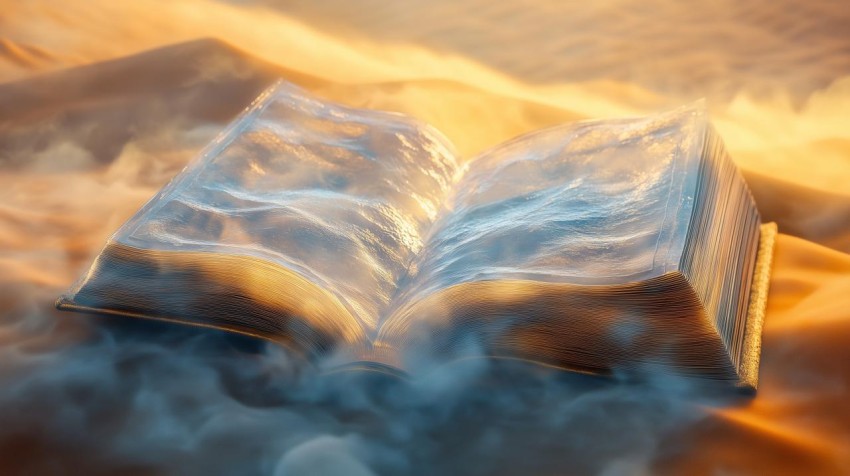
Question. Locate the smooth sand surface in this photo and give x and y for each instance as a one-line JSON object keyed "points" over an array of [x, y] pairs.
{"points": [[82, 148]]}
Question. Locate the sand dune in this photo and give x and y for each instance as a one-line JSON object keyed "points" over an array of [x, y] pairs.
{"points": [[816, 215], [26, 56], [171, 70], [104, 106], [630, 42]]}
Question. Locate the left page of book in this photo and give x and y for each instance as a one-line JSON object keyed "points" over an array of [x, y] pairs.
{"points": [[332, 201]]}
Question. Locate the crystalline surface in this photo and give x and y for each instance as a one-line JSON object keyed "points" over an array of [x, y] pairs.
{"points": [[592, 203], [341, 196]]}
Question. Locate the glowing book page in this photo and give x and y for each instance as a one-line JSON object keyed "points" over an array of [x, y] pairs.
{"points": [[341, 196], [603, 202], [557, 242]]}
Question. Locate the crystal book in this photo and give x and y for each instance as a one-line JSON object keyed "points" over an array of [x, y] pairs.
{"points": [[360, 238]]}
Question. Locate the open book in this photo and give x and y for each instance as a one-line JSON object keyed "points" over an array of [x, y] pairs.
{"points": [[358, 237]]}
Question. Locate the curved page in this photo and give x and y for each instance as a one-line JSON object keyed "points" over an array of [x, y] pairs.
{"points": [[339, 196], [592, 203]]}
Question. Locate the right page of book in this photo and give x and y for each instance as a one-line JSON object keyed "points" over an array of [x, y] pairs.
{"points": [[597, 202], [592, 204]]}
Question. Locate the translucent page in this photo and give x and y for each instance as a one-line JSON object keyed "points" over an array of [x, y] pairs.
{"points": [[602, 202], [341, 196]]}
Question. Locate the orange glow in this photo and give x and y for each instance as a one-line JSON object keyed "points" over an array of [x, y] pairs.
{"points": [[77, 172]]}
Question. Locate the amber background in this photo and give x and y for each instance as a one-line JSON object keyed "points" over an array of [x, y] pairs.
{"points": [[82, 148]]}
